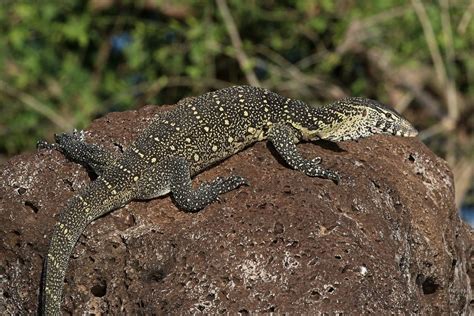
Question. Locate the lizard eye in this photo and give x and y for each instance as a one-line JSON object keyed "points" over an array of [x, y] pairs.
{"points": [[388, 115]]}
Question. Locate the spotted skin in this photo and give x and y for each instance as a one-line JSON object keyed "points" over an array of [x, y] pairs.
{"points": [[199, 132]]}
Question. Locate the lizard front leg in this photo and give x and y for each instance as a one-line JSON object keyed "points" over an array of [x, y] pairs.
{"points": [[76, 149], [284, 138]]}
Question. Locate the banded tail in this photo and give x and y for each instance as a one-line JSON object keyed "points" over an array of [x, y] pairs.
{"points": [[81, 210]]}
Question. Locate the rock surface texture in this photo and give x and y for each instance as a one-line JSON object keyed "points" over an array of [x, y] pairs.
{"points": [[387, 238]]}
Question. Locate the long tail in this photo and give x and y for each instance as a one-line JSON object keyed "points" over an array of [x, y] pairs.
{"points": [[65, 235], [80, 211]]}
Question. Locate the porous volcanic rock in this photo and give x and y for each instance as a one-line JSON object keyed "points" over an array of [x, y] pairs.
{"points": [[387, 238]]}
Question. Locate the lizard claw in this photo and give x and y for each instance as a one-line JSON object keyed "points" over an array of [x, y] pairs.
{"points": [[42, 144], [334, 177]]}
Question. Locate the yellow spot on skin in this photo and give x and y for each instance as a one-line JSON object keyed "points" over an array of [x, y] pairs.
{"points": [[195, 112], [198, 117], [230, 139], [251, 130], [135, 178], [226, 122], [206, 128], [177, 128], [214, 148], [113, 192], [221, 109], [246, 113], [153, 160], [87, 210], [65, 231], [264, 101], [193, 108], [265, 109], [172, 147], [196, 157], [173, 124], [241, 100], [156, 139], [218, 102], [188, 140]]}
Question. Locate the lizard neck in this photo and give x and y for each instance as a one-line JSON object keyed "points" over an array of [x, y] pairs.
{"points": [[306, 119]]}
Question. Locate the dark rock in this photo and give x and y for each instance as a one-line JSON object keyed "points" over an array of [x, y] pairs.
{"points": [[386, 239]]}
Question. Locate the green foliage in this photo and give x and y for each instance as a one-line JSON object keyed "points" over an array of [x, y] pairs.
{"points": [[81, 59]]}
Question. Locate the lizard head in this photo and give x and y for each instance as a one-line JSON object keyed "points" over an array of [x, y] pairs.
{"points": [[355, 118]]}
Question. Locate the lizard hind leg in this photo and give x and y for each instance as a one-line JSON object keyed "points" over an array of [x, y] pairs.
{"points": [[75, 148], [193, 200]]}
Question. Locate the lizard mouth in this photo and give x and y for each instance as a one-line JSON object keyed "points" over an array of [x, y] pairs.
{"points": [[400, 131], [410, 133], [406, 131]]}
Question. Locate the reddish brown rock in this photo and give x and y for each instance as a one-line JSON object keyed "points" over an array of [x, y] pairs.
{"points": [[386, 239]]}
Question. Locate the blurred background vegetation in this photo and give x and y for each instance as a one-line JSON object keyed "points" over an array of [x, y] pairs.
{"points": [[64, 63]]}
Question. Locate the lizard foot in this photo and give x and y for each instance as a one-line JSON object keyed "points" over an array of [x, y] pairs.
{"points": [[230, 183], [313, 170]]}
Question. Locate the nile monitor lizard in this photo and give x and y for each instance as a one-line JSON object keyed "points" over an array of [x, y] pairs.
{"points": [[197, 133]]}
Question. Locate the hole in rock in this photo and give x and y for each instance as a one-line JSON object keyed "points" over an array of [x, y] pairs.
{"points": [[428, 284], [211, 296], [32, 206], [99, 290], [157, 275], [315, 294]]}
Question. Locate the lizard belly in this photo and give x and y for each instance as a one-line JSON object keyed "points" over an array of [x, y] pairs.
{"points": [[152, 195]]}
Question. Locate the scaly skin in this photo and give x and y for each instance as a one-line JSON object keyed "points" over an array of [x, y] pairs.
{"points": [[199, 132]]}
